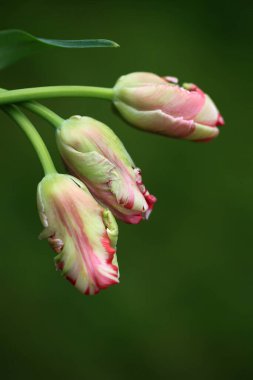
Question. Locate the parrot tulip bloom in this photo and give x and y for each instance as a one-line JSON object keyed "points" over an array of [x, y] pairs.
{"points": [[94, 154], [81, 232], [159, 105]]}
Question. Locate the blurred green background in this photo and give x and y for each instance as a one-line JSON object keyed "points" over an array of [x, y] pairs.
{"points": [[184, 306]]}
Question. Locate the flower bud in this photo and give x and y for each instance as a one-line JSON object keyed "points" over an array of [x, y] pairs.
{"points": [[161, 106], [94, 154], [80, 231]]}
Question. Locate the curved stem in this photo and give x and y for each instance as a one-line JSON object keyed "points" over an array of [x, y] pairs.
{"points": [[44, 112], [33, 136], [21, 95]]}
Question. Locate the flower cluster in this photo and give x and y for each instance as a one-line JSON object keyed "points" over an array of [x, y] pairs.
{"points": [[77, 212], [78, 209]]}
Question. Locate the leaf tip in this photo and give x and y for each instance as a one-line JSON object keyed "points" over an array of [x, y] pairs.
{"points": [[114, 44]]}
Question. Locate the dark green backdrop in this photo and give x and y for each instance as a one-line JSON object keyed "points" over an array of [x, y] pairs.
{"points": [[184, 306]]}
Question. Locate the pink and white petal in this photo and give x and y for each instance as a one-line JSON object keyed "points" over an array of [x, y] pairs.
{"points": [[171, 79], [131, 217], [183, 103], [92, 135], [128, 194], [171, 99], [209, 114], [138, 79], [149, 198], [157, 121], [91, 165], [145, 97], [203, 133], [87, 262]]}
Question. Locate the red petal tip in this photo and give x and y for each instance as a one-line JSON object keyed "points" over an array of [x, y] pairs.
{"points": [[220, 120]]}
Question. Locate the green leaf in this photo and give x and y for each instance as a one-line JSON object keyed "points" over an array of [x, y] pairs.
{"points": [[17, 44]]}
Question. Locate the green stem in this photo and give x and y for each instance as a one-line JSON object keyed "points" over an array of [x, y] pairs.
{"points": [[44, 112], [33, 136], [21, 95]]}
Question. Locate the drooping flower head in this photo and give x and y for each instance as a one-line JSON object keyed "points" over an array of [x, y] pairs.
{"points": [[160, 105], [81, 232], [94, 154]]}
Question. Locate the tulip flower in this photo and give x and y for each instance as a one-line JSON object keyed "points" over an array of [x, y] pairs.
{"points": [[94, 154], [160, 105], [81, 232]]}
